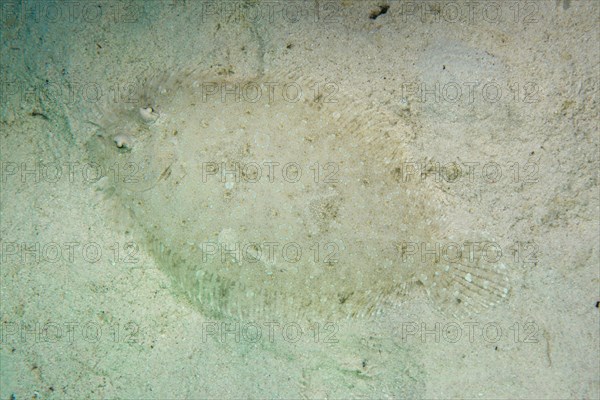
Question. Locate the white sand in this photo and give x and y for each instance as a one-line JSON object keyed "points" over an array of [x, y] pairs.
{"points": [[154, 345]]}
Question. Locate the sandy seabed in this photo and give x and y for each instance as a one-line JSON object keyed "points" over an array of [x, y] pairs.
{"points": [[495, 106]]}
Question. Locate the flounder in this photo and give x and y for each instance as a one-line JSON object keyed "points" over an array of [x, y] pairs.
{"points": [[279, 196]]}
